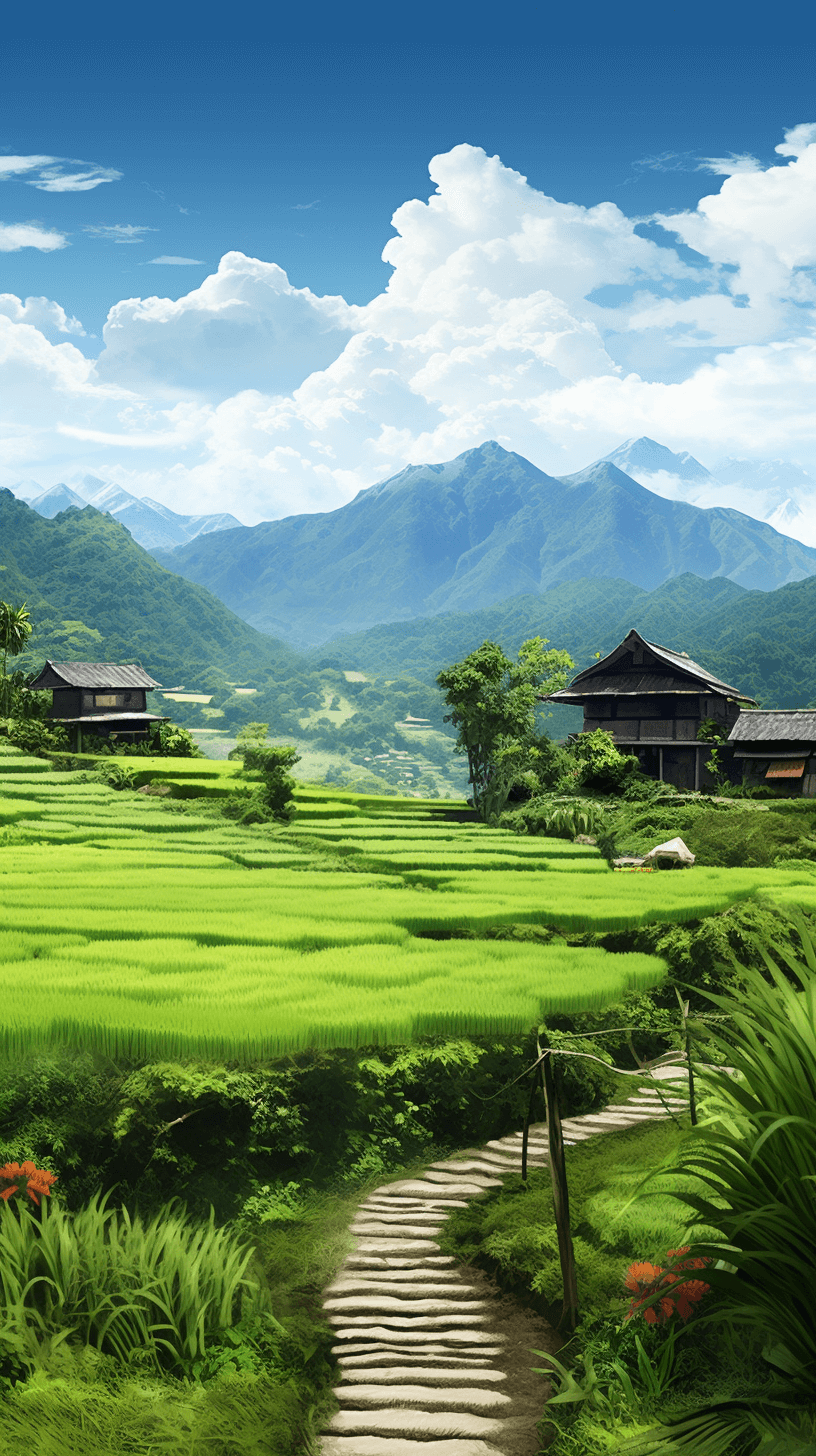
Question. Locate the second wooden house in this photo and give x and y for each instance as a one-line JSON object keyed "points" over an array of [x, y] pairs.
{"points": [[652, 701], [106, 698]]}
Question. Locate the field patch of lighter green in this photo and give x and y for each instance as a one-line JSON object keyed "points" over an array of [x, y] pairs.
{"points": [[137, 928]]}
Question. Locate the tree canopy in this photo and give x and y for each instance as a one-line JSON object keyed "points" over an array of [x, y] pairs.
{"points": [[15, 629], [493, 702]]}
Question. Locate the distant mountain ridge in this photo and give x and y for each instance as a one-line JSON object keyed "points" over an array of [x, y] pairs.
{"points": [[763, 642], [150, 523], [648, 457], [462, 535], [778, 492]]}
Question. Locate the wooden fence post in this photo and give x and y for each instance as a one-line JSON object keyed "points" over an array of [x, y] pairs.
{"points": [[684, 1007], [558, 1173], [536, 1081]]}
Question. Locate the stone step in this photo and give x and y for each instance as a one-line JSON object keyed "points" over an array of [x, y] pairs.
{"points": [[465, 1166], [396, 1228], [602, 1126], [666, 1104], [397, 1246], [423, 1397], [444, 1323], [378, 1334], [424, 1424], [434, 1208], [443, 1356], [510, 1146], [591, 1118], [479, 1179], [495, 1160], [405, 1446], [399, 1276], [443, 1189], [398, 1201], [627, 1109], [396, 1261], [402, 1304], [402, 1289], [426, 1374], [383, 1214]]}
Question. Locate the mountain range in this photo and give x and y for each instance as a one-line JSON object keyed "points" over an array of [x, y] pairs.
{"points": [[95, 594], [463, 535], [149, 522], [778, 492]]}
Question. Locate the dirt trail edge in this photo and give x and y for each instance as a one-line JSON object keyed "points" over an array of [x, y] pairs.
{"points": [[434, 1360]]}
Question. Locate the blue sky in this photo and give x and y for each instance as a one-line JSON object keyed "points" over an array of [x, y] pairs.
{"points": [[299, 150], [185, 133]]}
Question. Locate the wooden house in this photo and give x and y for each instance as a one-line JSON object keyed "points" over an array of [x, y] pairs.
{"points": [[777, 747], [652, 701], [101, 697]]}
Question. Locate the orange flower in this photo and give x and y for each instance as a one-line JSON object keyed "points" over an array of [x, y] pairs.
{"points": [[647, 1280], [36, 1180]]}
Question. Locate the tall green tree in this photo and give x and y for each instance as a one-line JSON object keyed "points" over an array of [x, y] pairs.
{"points": [[15, 629], [493, 706]]}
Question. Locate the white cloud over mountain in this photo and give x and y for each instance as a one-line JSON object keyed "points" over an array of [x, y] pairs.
{"points": [[554, 328]]}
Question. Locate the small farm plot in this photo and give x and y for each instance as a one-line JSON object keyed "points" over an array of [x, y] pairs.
{"points": [[178, 933]]}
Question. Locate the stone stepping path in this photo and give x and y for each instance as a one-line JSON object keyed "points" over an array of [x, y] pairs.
{"points": [[429, 1366]]}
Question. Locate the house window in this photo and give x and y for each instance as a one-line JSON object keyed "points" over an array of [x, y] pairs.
{"points": [[109, 700]]}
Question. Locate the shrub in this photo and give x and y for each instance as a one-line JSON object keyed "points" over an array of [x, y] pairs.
{"points": [[271, 763], [563, 818], [159, 1291], [599, 766], [34, 735], [756, 1156]]}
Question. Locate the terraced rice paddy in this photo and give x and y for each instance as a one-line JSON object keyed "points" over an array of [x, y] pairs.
{"points": [[130, 926]]}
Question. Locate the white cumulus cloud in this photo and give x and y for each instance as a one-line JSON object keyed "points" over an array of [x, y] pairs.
{"points": [[17, 235], [49, 317], [244, 327], [555, 328]]}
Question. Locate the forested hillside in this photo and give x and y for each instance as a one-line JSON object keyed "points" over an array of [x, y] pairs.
{"points": [[96, 596], [764, 642]]}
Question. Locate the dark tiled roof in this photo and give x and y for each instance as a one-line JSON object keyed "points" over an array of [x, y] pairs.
{"points": [[93, 675], [775, 726], [629, 685], [601, 678]]}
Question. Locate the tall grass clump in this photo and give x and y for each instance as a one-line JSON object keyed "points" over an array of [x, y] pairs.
{"points": [[155, 1292], [756, 1155]]}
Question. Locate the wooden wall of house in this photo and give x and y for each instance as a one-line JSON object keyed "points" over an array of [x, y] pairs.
{"points": [[673, 716], [66, 703]]}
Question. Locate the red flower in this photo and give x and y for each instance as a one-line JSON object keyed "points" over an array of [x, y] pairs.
{"points": [[677, 1294]]}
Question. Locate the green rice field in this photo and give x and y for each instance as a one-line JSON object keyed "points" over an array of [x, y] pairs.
{"points": [[138, 927]]}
